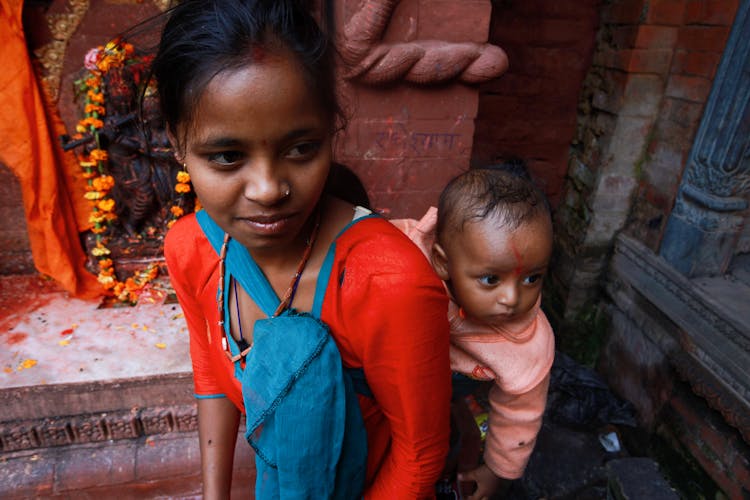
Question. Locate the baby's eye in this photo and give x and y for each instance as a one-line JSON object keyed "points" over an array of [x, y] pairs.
{"points": [[303, 151], [530, 280], [225, 158], [489, 280]]}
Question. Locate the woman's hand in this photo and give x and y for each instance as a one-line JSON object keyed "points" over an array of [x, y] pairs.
{"points": [[487, 483], [218, 422]]}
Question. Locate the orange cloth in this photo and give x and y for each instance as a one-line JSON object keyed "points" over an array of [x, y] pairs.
{"points": [[387, 312], [31, 150]]}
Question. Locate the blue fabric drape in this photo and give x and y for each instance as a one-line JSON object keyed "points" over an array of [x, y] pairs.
{"points": [[303, 417]]}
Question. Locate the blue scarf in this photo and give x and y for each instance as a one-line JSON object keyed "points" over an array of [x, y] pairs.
{"points": [[303, 417]]}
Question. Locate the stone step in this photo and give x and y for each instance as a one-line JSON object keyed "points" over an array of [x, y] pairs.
{"points": [[97, 400]]}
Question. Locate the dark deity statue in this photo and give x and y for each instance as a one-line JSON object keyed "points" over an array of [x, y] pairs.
{"points": [[140, 158]]}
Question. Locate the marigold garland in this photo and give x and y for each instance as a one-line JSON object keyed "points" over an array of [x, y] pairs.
{"points": [[99, 183]]}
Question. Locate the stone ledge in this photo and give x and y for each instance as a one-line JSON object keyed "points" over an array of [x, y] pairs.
{"points": [[156, 466], [695, 329], [91, 428]]}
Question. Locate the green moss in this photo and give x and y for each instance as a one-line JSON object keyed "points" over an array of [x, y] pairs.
{"points": [[581, 338]]}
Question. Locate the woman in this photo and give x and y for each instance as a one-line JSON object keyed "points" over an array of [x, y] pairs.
{"points": [[247, 91]]}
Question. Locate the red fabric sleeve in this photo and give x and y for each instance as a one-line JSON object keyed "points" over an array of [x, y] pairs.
{"points": [[193, 271], [394, 311]]}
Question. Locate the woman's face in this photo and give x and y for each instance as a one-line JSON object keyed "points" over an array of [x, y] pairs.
{"points": [[258, 151]]}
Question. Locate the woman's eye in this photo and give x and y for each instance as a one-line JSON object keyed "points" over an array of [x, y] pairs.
{"points": [[530, 280], [303, 150], [489, 280], [225, 158]]}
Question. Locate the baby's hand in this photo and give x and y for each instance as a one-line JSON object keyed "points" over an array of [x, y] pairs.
{"points": [[487, 482]]}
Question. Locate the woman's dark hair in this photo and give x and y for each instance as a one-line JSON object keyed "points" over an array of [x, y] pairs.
{"points": [[504, 189], [205, 37]]}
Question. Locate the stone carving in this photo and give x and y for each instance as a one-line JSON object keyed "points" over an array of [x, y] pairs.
{"points": [[701, 235], [122, 426], [55, 432], [712, 350], [156, 421], [52, 55], [21, 436], [88, 429], [79, 429], [373, 62], [185, 418], [704, 385]]}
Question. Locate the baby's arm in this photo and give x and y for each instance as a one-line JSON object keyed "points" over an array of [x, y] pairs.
{"points": [[514, 422]]}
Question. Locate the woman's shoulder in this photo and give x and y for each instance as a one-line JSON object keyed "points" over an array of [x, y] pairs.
{"points": [[375, 240], [185, 238], [374, 235]]}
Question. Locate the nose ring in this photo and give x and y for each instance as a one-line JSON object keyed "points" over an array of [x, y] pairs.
{"points": [[288, 191]]}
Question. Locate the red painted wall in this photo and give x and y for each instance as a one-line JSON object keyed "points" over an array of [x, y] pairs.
{"points": [[530, 111]]}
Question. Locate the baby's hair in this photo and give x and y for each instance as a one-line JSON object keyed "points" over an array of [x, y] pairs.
{"points": [[205, 37], [505, 190]]}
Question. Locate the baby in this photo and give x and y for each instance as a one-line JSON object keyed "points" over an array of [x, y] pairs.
{"points": [[490, 241]]}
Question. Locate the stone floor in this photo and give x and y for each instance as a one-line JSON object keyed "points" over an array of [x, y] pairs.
{"points": [[50, 338], [96, 402]]}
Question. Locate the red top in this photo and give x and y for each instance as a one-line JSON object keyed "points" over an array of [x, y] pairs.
{"points": [[386, 309]]}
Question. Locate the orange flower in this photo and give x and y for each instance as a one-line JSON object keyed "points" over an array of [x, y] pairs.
{"points": [[106, 205], [171, 223], [183, 177], [177, 211], [93, 81], [181, 187], [96, 218], [105, 64], [98, 155], [88, 174], [105, 263], [94, 195], [90, 121], [94, 108], [131, 285], [98, 229], [103, 182], [106, 271], [113, 44], [100, 250], [95, 96], [107, 280]]}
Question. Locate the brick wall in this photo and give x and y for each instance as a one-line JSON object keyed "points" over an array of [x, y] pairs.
{"points": [[530, 111], [689, 36], [639, 110]]}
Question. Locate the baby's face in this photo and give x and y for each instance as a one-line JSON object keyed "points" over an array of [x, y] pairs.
{"points": [[495, 274]]}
